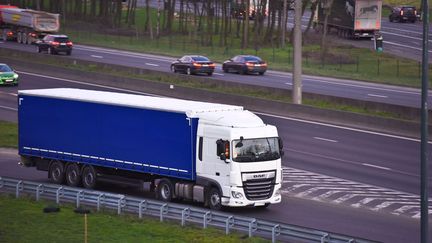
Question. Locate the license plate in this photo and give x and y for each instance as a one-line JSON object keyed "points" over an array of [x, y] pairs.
{"points": [[205, 65], [9, 80], [257, 65], [63, 44]]}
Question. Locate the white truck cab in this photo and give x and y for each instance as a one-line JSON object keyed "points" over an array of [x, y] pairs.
{"points": [[242, 155]]}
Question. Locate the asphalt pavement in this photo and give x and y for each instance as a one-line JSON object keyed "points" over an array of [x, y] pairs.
{"points": [[357, 159]]}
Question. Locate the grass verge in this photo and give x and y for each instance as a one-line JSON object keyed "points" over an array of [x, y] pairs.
{"points": [[22, 220], [8, 134]]}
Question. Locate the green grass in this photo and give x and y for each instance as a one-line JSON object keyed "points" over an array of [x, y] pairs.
{"points": [[8, 134], [22, 220]]}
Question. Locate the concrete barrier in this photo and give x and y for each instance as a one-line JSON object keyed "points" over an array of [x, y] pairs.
{"points": [[380, 124]]}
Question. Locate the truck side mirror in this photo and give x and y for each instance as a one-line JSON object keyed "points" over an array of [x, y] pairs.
{"points": [[222, 157]]}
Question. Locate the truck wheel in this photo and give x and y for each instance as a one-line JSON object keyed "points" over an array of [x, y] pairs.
{"points": [[165, 190], [214, 199], [88, 177], [19, 37], [4, 35], [24, 37], [73, 175], [57, 172]]}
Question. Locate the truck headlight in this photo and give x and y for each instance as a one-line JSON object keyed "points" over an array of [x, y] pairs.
{"points": [[237, 195]]}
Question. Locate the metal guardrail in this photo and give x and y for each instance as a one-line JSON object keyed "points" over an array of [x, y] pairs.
{"points": [[126, 204]]}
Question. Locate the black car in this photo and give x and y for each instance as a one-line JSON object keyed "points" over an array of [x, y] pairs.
{"points": [[245, 64], [403, 13], [54, 44], [193, 64]]}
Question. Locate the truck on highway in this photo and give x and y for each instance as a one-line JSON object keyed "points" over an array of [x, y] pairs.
{"points": [[350, 18], [25, 25], [219, 155]]}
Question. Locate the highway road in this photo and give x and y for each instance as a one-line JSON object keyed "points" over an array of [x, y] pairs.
{"points": [[335, 178], [320, 85]]}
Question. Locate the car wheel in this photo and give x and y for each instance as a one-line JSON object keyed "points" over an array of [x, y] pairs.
{"points": [[173, 69], [390, 19], [88, 177], [50, 51], [165, 190], [188, 71], [210, 73], [57, 172], [214, 199], [73, 175], [261, 73], [68, 53], [242, 71]]}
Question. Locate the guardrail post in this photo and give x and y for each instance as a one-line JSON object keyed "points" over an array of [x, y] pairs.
{"points": [[162, 211], [120, 204], [19, 187], [102, 195], [252, 227], [229, 222], [185, 215], [39, 191], [1, 182], [140, 207], [207, 218], [78, 198], [324, 237], [58, 194], [275, 232]]}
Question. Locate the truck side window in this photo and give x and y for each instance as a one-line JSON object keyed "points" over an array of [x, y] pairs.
{"points": [[223, 148], [200, 148]]}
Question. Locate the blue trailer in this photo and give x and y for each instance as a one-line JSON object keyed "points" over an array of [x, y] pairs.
{"points": [[79, 136]]}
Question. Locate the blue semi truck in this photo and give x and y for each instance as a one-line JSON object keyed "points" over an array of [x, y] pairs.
{"points": [[221, 155]]}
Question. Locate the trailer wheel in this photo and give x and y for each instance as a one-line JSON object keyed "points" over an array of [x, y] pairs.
{"points": [[88, 177], [19, 37], [214, 198], [24, 37], [57, 172], [73, 175], [165, 190], [4, 35]]}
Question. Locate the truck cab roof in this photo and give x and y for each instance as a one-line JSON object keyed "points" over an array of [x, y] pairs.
{"points": [[209, 113]]}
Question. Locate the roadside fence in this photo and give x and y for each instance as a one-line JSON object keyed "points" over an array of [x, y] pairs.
{"points": [[139, 206]]}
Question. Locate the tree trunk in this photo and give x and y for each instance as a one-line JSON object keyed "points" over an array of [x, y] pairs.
{"points": [[328, 8]]}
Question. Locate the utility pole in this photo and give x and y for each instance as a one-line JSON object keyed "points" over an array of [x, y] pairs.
{"points": [[424, 127], [297, 63]]}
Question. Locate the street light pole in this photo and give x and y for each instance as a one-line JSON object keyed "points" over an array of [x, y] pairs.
{"points": [[297, 63], [424, 126]]}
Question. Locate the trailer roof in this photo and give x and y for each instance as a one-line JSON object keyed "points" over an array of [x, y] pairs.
{"points": [[193, 109]]}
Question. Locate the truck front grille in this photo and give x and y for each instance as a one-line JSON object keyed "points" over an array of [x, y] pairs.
{"points": [[259, 189]]}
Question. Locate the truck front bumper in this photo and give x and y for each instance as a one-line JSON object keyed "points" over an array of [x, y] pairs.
{"points": [[244, 202]]}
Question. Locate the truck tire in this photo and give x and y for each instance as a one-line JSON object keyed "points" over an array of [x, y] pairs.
{"points": [[24, 37], [4, 35], [214, 197], [57, 172], [89, 177], [73, 175], [165, 190]]}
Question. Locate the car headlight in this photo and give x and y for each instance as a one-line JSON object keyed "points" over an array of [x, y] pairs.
{"points": [[15, 75], [237, 195], [277, 193]]}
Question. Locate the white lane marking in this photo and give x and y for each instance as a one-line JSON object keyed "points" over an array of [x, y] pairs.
{"points": [[96, 56], [257, 112], [8, 108], [339, 127], [405, 36], [290, 84], [151, 64], [405, 46], [376, 166], [220, 74], [13, 94], [407, 31], [325, 139], [379, 96]]}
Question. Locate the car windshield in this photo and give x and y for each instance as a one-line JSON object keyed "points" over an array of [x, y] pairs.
{"points": [[5, 68], [200, 59], [255, 150], [252, 59]]}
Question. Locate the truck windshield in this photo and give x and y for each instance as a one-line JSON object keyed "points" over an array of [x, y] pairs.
{"points": [[254, 150]]}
